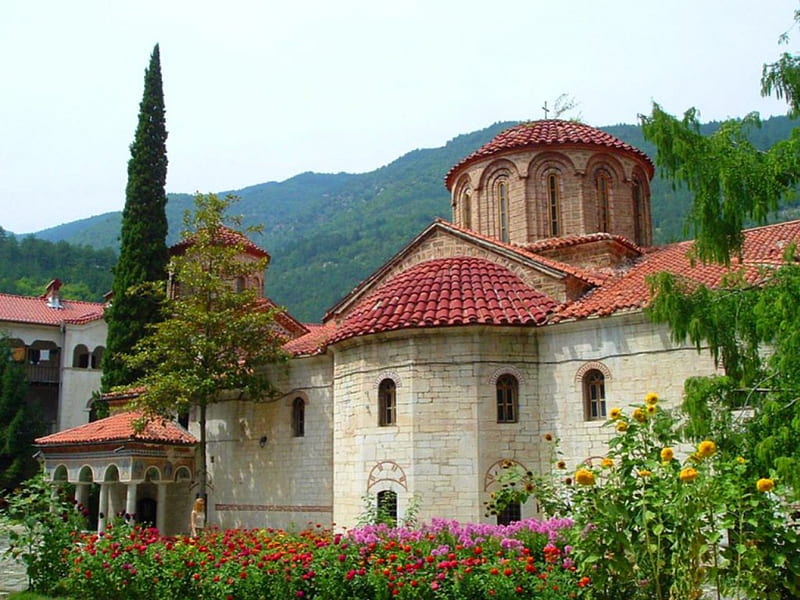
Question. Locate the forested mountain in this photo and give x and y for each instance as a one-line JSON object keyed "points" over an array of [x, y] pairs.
{"points": [[326, 232], [27, 264]]}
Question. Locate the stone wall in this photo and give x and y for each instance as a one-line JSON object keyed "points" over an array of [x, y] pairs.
{"points": [[283, 480]]}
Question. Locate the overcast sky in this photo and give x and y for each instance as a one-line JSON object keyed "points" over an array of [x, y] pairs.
{"points": [[263, 90]]}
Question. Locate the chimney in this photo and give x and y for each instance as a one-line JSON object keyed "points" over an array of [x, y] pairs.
{"points": [[53, 294]]}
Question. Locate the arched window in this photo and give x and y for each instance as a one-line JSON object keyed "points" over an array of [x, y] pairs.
{"points": [[510, 514], [507, 394], [553, 208], [639, 214], [602, 183], [239, 285], [387, 508], [80, 357], [298, 417], [387, 403], [466, 208], [594, 395], [501, 191], [97, 357]]}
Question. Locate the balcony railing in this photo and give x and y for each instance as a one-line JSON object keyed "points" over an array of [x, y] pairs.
{"points": [[42, 373]]}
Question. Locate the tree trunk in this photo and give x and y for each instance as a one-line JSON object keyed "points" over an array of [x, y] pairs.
{"points": [[203, 467]]}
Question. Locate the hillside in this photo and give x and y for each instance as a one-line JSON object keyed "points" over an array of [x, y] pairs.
{"points": [[326, 232]]}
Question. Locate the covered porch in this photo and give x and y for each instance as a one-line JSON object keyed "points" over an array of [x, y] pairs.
{"points": [[142, 476]]}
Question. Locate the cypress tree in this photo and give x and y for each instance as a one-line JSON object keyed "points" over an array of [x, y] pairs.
{"points": [[143, 251]]}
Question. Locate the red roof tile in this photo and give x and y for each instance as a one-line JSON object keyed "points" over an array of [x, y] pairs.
{"points": [[558, 243], [119, 428], [446, 292], [228, 237], [30, 309], [628, 291], [313, 342], [546, 133]]}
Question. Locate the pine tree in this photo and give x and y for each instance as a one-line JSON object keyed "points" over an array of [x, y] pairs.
{"points": [[18, 423], [143, 251]]}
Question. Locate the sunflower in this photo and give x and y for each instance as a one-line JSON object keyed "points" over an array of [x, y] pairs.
{"points": [[639, 415], [667, 454], [615, 413], [706, 448], [688, 474], [764, 485], [651, 399], [584, 477], [622, 426]]}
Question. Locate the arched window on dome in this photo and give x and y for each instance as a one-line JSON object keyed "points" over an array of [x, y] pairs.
{"points": [[639, 214], [501, 193], [466, 208], [602, 182], [594, 395], [553, 205], [387, 403]]}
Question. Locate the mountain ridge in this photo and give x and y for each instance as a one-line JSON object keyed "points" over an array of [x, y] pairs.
{"points": [[328, 231]]}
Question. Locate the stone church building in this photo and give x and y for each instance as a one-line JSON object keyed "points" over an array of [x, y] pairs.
{"points": [[521, 317]]}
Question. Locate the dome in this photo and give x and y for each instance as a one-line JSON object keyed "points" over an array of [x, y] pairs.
{"points": [[550, 132]]}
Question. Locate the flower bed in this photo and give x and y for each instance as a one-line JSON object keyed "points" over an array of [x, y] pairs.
{"points": [[444, 559]]}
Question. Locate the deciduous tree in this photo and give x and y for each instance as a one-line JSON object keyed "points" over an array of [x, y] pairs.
{"points": [[751, 327], [216, 336]]}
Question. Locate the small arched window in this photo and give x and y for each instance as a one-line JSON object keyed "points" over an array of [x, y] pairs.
{"points": [[97, 357], [553, 208], [298, 417], [594, 395], [80, 357], [602, 187], [501, 188], [510, 514], [387, 403], [639, 214], [239, 285], [466, 208], [507, 399], [387, 508]]}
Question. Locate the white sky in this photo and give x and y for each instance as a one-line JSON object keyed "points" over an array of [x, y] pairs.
{"points": [[263, 90]]}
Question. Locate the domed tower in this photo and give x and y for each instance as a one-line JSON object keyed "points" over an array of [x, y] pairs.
{"points": [[552, 178]]}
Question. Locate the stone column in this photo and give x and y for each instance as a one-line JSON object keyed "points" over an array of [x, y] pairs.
{"points": [[102, 511], [130, 503], [161, 508], [82, 493]]}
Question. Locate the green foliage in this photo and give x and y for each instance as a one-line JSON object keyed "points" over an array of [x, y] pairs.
{"points": [[19, 424], [750, 328], [730, 179], [143, 250], [27, 264], [42, 525], [213, 341], [655, 519]]}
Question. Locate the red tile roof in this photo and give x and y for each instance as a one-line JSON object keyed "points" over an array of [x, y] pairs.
{"points": [[119, 428], [31, 309], [228, 237], [547, 133], [313, 342], [628, 291], [447, 291], [550, 244]]}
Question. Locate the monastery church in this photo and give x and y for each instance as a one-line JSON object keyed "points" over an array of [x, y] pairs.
{"points": [[519, 320]]}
